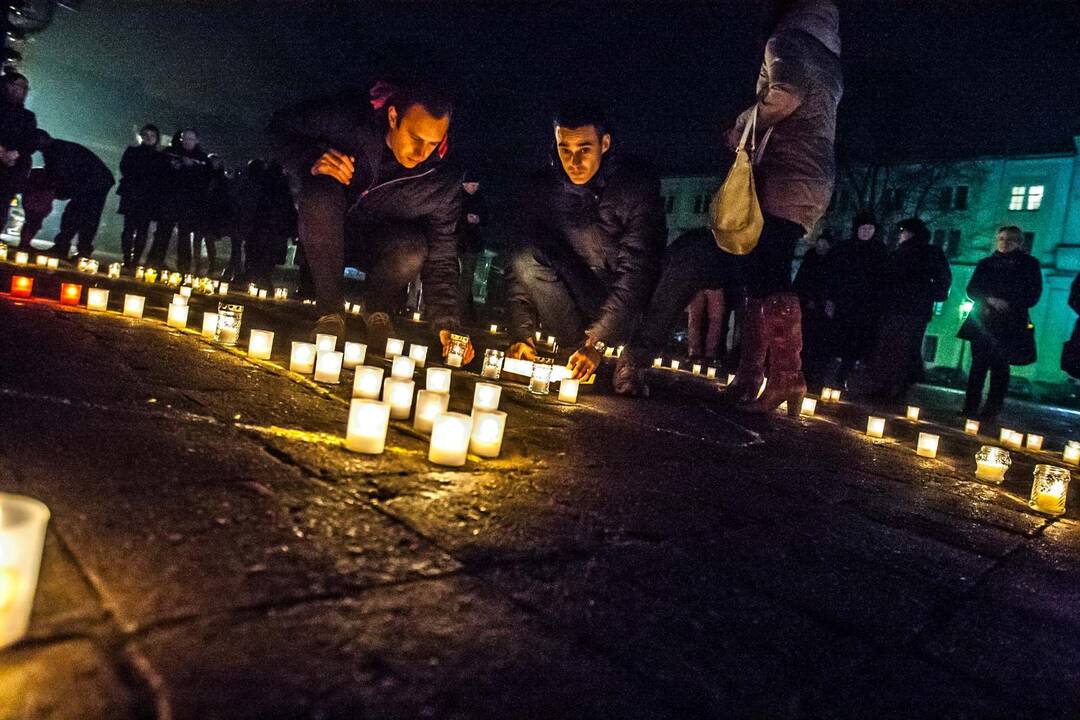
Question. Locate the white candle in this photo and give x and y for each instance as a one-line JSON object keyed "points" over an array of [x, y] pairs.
{"points": [[54, 264], [302, 358], [418, 353], [223, 288], [354, 355], [450, 439], [494, 328], [913, 413], [185, 291], [22, 286], [263, 294], [260, 344], [403, 367], [438, 380], [328, 367], [517, 366], [394, 347], [658, 362], [711, 373], [928, 445], [487, 433], [367, 383], [990, 472], [1034, 442], [325, 343], [696, 368], [43, 261], [398, 393], [1071, 454], [730, 379], [97, 299], [3, 251], [971, 427], [209, 325], [22, 536], [178, 315], [875, 426], [674, 364], [809, 406], [416, 317], [252, 290], [551, 340], [568, 390], [133, 306], [486, 397], [366, 431], [429, 404]]}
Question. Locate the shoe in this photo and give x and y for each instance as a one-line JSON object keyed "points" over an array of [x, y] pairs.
{"points": [[629, 378], [332, 324], [379, 329], [783, 339], [752, 348]]}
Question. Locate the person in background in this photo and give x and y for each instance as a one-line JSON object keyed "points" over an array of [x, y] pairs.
{"points": [[1004, 287], [184, 208], [248, 187], [275, 223], [917, 276], [813, 283], [143, 171], [17, 139], [475, 218], [217, 215], [77, 175]]}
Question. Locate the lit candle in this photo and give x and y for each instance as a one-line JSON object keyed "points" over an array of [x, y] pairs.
{"points": [[325, 343], [658, 362], [674, 364], [711, 373], [402, 367], [43, 261], [367, 383], [487, 433], [53, 264], [354, 355], [3, 251], [22, 258], [1049, 489], [70, 293], [568, 390], [730, 379], [133, 305], [1034, 442], [263, 294], [971, 427], [175, 279], [140, 272], [450, 439], [150, 276], [399, 394], [416, 317], [494, 328], [21, 286], [1011, 438], [540, 382], [609, 351], [22, 536], [302, 358], [394, 347], [252, 290], [418, 353], [913, 413], [429, 404], [437, 380], [551, 340], [928, 445], [493, 363], [537, 335], [875, 426], [178, 315], [355, 309], [991, 464], [1071, 454], [209, 325], [455, 354], [835, 395], [229, 319], [366, 431], [260, 344], [826, 394], [185, 291], [486, 397], [179, 299], [97, 299], [223, 288], [696, 368], [809, 406], [328, 367]]}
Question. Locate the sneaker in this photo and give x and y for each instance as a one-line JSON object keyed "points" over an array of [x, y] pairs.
{"points": [[332, 324], [629, 379], [379, 329]]}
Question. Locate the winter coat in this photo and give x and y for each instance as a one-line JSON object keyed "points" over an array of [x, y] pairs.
{"points": [[188, 184], [857, 278], [813, 282], [917, 276], [798, 89], [275, 216], [18, 127], [72, 169], [382, 189], [1014, 277], [615, 223], [143, 177]]}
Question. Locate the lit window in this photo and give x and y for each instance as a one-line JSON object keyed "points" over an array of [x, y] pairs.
{"points": [[1026, 197], [1035, 196], [1016, 202], [939, 308]]}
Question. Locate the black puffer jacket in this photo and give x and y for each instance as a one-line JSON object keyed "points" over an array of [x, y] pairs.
{"points": [[615, 223], [918, 276], [381, 188]]}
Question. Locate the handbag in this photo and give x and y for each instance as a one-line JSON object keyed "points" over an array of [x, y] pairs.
{"points": [[735, 216]]}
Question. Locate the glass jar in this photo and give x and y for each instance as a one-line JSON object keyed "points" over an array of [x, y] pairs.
{"points": [[1049, 489], [991, 463], [228, 323], [455, 355], [540, 383], [493, 361]]}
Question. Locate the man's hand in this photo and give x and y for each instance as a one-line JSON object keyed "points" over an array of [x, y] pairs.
{"points": [[8, 157], [522, 350], [583, 363], [337, 165], [997, 303], [444, 338]]}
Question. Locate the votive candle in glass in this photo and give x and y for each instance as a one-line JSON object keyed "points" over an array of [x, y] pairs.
{"points": [[398, 393], [178, 299], [1034, 442], [223, 288], [367, 383], [140, 272], [394, 347], [134, 305], [1012, 438], [658, 362], [568, 390], [21, 286], [428, 405], [260, 344], [674, 364], [3, 251], [710, 373], [43, 261], [53, 264], [185, 291], [1071, 454], [493, 362], [875, 426], [1049, 489], [971, 427], [418, 353], [991, 464], [494, 329], [263, 294], [229, 319], [325, 342], [540, 382], [353, 355], [913, 413], [487, 433], [928, 445], [416, 317], [150, 275], [403, 367], [302, 357], [70, 293], [22, 537], [209, 325], [97, 299], [455, 355], [486, 396], [809, 406], [437, 380], [178, 315], [366, 431], [22, 258], [696, 368], [450, 434], [328, 367], [730, 379]]}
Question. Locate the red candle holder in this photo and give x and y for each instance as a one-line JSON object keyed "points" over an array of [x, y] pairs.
{"points": [[70, 293], [21, 286]]}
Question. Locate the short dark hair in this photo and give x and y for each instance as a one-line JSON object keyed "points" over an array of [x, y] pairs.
{"points": [[150, 126], [403, 94], [579, 112]]}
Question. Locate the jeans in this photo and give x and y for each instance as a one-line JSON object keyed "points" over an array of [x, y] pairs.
{"points": [[985, 358]]}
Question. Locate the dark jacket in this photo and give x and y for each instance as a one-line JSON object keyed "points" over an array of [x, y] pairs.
{"points": [[859, 269], [1074, 295], [381, 189], [219, 204], [917, 276], [813, 282], [188, 184], [472, 233], [1015, 278], [615, 224], [72, 169], [18, 127], [143, 177]]}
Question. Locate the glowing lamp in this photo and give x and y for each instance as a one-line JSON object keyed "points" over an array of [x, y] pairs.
{"points": [[366, 431], [185, 292], [429, 404], [487, 433], [367, 382], [179, 299], [325, 343], [1011, 438], [609, 351], [493, 363], [70, 293], [991, 464], [1049, 489], [486, 397], [398, 393], [328, 367], [140, 272], [568, 390], [1034, 442], [21, 286], [178, 316], [517, 366], [875, 426], [22, 537], [913, 413], [134, 305], [97, 299], [209, 325], [928, 445], [394, 347], [260, 344], [971, 427], [450, 435], [302, 358], [437, 380], [540, 382], [402, 367]]}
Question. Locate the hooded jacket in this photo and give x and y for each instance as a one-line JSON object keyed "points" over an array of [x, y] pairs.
{"points": [[798, 89], [382, 189]]}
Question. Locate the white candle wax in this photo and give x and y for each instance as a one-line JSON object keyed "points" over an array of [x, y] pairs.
{"points": [[367, 383], [54, 264], [809, 406], [989, 471], [971, 427], [1034, 442], [223, 288], [429, 404], [609, 352], [730, 379], [912, 413], [398, 393], [438, 380], [22, 258], [260, 344], [185, 291], [209, 325], [568, 390], [328, 367], [354, 355], [325, 343], [416, 317], [551, 339], [263, 294], [302, 358], [516, 366], [178, 299], [403, 367], [366, 431], [22, 536], [133, 306], [418, 354], [487, 433], [450, 439], [43, 261], [394, 347], [486, 397], [178, 315], [97, 299], [875, 426], [928, 445]]}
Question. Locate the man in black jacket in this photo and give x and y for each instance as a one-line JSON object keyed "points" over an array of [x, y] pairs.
{"points": [[373, 183], [17, 140], [76, 174], [594, 238]]}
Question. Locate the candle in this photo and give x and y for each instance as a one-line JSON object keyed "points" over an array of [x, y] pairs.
{"points": [[493, 362], [835, 395], [418, 353], [674, 364], [809, 406], [537, 335], [43, 261], [1071, 454], [560, 373], [302, 357], [22, 258], [711, 373], [229, 319], [150, 275], [178, 315], [971, 427], [1049, 489], [928, 445], [22, 536], [97, 299], [826, 394], [325, 343], [609, 351], [450, 439], [3, 251], [730, 379], [253, 291], [185, 291], [367, 383], [209, 325], [416, 317], [658, 362], [486, 397], [263, 294], [429, 404], [328, 367], [223, 288], [133, 305], [402, 367], [991, 464], [913, 413], [175, 279], [875, 426], [455, 354], [394, 347], [517, 366], [568, 390], [551, 340], [1011, 438], [21, 286], [260, 344], [354, 355], [437, 380], [696, 368], [178, 299], [366, 431], [399, 394], [494, 328], [487, 433], [70, 293], [1034, 442], [540, 382], [355, 309], [53, 264]]}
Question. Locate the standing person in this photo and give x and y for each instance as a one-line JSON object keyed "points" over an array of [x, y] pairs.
{"points": [[249, 187], [17, 139], [76, 174], [857, 294], [475, 215], [275, 223], [216, 214], [798, 90], [143, 171], [188, 185], [813, 283], [916, 277], [1004, 286]]}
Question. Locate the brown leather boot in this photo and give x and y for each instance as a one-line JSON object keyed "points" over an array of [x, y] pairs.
{"points": [[783, 338], [752, 346]]}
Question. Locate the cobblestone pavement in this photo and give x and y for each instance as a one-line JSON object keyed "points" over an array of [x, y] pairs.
{"points": [[214, 551]]}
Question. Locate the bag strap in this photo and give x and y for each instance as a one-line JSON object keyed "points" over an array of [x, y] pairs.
{"points": [[749, 131], [764, 142]]}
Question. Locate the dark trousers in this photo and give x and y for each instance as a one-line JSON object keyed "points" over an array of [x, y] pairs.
{"points": [[391, 253], [563, 291], [985, 358], [135, 236], [81, 217], [896, 362], [186, 230]]}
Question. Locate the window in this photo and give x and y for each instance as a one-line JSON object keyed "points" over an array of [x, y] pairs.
{"points": [[1026, 197], [960, 197], [952, 245], [946, 199], [929, 348], [669, 204], [939, 309], [939, 238], [1035, 196], [701, 204], [1029, 241]]}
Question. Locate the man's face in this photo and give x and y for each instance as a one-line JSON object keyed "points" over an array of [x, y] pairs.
{"points": [[906, 235], [413, 136], [149, 137], [581, 151], [15, 91], [471, 187], [1006, 242], [865, 232], [189, 140]]}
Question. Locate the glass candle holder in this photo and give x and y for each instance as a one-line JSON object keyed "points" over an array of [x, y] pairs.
{"points": [[971, 427], [486, 397], [185, 292], [928, 445], [253, 290], [658, 362], [493, 361], [913, 413], [21, 286], [450, 434], [229, 319], [178, 316], [991, 463], [209, 325], [455, 355], [260, 344], [1034, 442], [809, 406], [223, 288], [398, 393], [1049, 489], [487, 433], [175, 279], [710, 373], [394, 347], [97, 299], [263, 294], [367, 382], [366, 431], [134, 305], [53, 263], [1071, 454], [416, 317], [354, 354], [494, 329], [328, 367], [114, 270], [325, 342], [150, 275], [22, 537], [140, 272], [568, 390], [696, 368], [403, 367], [875, 426], [418, 354], [674, 364], [437, 380], [540, 382], [70, 293], [429, 404], [22, 258], [302, 358], [3, 251], [43, 261]]}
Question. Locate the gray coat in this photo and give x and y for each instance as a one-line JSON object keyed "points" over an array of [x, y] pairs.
{"points": [[798, 89]]}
